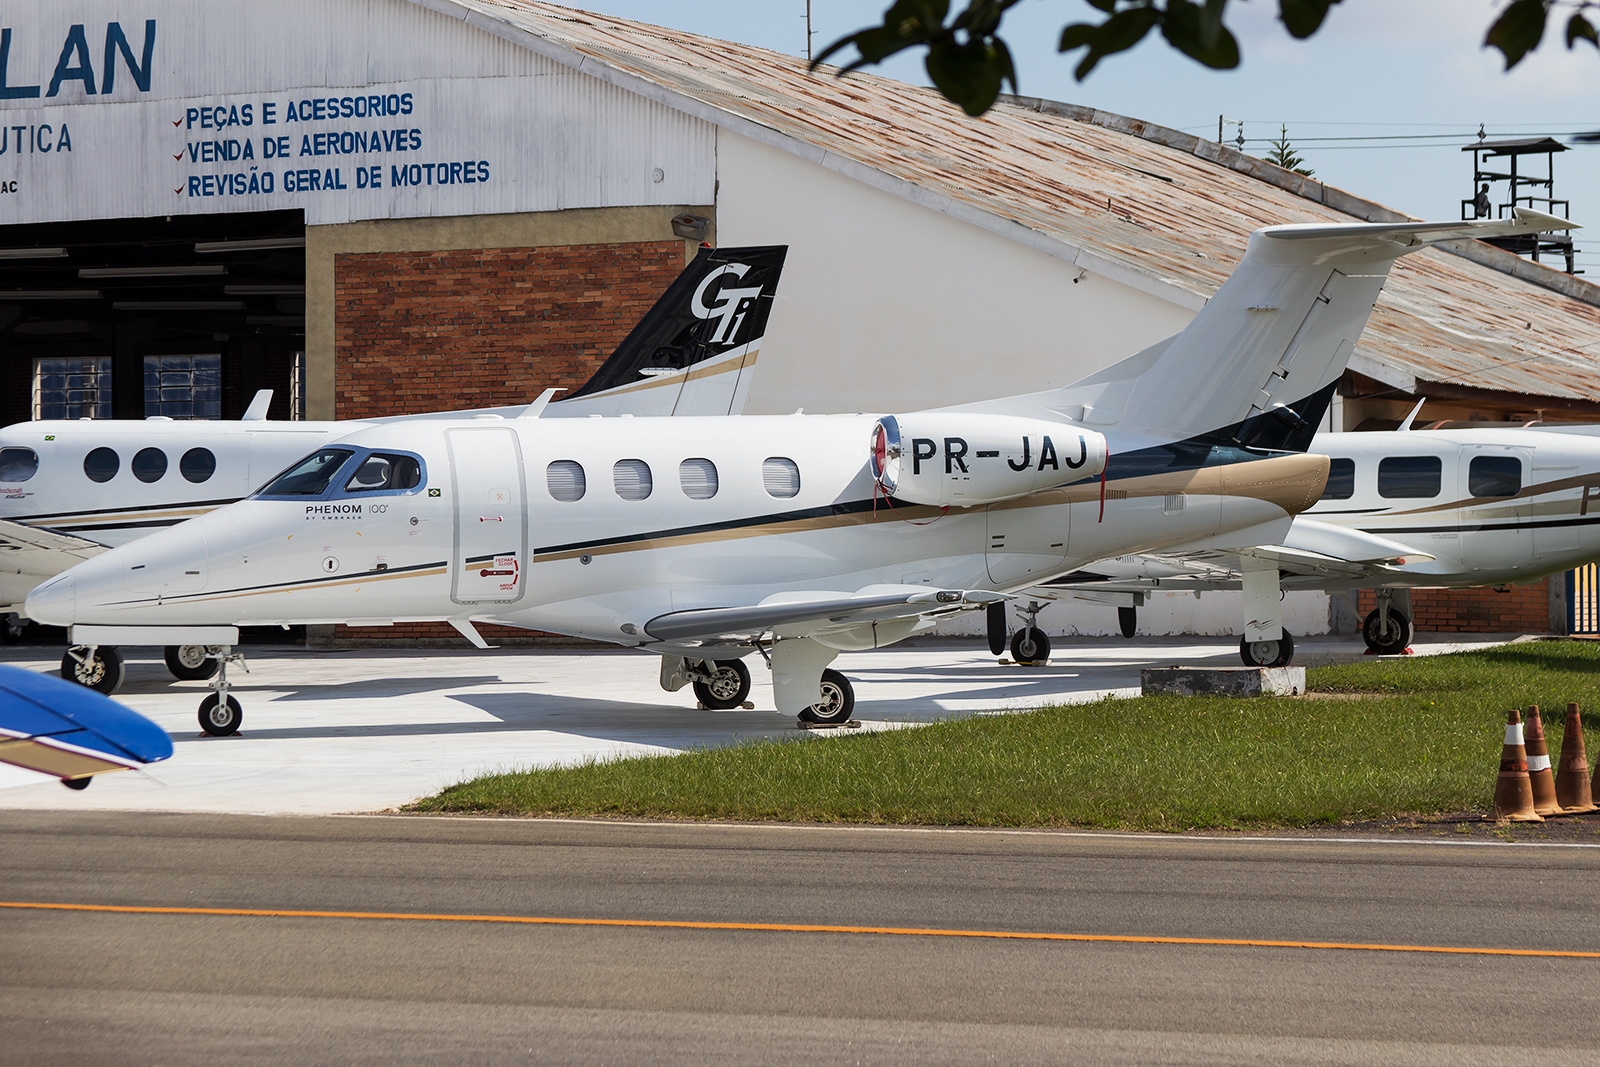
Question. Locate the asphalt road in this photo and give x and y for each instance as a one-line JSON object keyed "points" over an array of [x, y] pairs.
{"points": [[102, 987]]}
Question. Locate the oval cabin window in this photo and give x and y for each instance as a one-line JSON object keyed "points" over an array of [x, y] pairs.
{"points": [[101, 465], [565, 479], [149, 464], [781, 477], [699, 478], [197, 465], [18, 464], [632, 479]]}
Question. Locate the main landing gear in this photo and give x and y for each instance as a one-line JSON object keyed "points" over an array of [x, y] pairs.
{"points": [[192, 663], [1030, 646], [220, 714], [1267, 653], [99, 667], [722, 685], [837, 704], [1388, 630]]}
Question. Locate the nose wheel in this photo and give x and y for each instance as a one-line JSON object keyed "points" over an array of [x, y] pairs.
{"points": [[220, 713], [99, 667]]}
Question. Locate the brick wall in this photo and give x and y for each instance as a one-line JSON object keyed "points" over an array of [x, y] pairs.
{"points": [[421, 331], [1520, 609]]}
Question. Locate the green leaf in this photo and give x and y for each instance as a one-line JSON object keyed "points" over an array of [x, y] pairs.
{"points": [[1118, 33], [1077, 35], [1199, 34], [1518, 30], [906, 24], [971, 73], [1579, 28], [1108, 6], [1302, 18]]}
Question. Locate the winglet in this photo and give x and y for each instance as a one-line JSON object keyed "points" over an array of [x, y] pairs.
{"points": [[1405, 423], [257, 411], [465, 628], [536, 409]]}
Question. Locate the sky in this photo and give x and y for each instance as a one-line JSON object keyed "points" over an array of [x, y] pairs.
{"points": [[1410, 72]]}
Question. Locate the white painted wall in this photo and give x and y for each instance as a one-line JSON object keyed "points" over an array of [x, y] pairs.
{"points": [[888, 305], [538, 136]]}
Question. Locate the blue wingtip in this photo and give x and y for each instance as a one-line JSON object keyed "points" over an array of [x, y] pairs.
{"points": [[33, 704]]}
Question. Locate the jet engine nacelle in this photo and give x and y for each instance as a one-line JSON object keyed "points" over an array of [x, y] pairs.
{"points": [[961, 460]]}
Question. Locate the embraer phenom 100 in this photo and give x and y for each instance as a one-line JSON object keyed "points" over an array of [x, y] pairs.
{"points": [[706, 539], [71, 489]]}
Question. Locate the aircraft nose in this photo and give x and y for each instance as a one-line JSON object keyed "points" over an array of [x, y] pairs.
{"points": [[55, 603]]}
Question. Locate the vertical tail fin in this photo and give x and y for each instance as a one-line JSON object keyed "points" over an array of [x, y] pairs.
{"points": [[694, 351]]}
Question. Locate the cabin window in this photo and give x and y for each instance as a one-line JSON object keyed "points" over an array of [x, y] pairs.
{"points": [[1341, 480], [101, 465], [72, 388], [781, 477], [384, 471], [149, 464], [632, 479], [311, 476], [1494, 476], [1409, 477], [18, 464], [197, 464], [565, 479], [183, 387], [698, 478]]}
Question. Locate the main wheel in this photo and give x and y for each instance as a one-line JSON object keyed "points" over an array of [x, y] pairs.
{"points": [[1395, 642], [1030, 645], [218, 719], [191, 663], [103, 674], [11, 629], [729, 685], [76, 783], [1128, 619], [1267, 653], [838, 701]]}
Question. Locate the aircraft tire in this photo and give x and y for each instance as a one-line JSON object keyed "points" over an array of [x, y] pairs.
{"points": [[1030, 645], [76, 783], [1401, 630], [729, 686], [1279, 653], [838, 701], [190, 663], [11, 629], [1128, 620], [220, 721], [104, 675]]}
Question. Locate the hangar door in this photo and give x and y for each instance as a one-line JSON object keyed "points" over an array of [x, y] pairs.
{"points": [[491, 517]]}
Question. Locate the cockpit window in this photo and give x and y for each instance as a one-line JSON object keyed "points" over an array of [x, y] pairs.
{"points": [[383, 471], [18, 464], [311, 476]]}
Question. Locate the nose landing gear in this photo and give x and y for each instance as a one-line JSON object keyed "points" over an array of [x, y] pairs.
{"points": [[220, 713]]}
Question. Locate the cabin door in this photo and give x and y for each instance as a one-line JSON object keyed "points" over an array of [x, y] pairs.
{"points": [[491, 516]]}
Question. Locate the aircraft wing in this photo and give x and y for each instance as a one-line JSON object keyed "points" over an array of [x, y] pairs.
{"points": [[1313, 554], [69, 731], [805, 614], [31, 542]]}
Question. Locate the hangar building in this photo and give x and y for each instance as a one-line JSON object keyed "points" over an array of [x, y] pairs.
{"points": [[384, 206]]}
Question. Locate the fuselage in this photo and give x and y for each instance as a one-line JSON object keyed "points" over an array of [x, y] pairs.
{"points": [[672, 514]]}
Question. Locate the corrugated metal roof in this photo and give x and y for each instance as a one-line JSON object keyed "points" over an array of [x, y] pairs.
{"points": [[1163, 210]]}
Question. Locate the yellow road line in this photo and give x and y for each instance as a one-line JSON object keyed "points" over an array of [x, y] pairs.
{"points": [[800, 928]]}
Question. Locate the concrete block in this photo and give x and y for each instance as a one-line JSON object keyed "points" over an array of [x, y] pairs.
{"points": [[1223, 681]]}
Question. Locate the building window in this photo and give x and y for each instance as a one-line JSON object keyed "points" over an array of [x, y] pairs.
{"points": [[1341, 480], [781, 477], [1409, 477], [698, 478], [75, 388], [632, 479], [1494, 476], [183, 387], [565, 480]]}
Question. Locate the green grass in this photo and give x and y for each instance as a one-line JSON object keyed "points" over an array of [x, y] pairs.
{"points": [[1389, 739]]}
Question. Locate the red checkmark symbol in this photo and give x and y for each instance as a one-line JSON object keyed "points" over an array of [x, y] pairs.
{"points": [[178, 123]]}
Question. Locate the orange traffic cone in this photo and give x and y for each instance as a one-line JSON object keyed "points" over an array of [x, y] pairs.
{"points": [[1573, 791], [1539, 773], [1513, 792]]}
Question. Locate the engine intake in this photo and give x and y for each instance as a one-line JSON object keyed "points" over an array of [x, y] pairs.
{"points": [[962, 460]]}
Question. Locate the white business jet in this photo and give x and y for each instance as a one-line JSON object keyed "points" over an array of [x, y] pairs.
{"points": [[708, 539], [70, 489], [1439, 508]]}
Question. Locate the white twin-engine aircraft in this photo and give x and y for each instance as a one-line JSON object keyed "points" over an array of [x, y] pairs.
{"points": [[71, 489], [707, 539]]}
